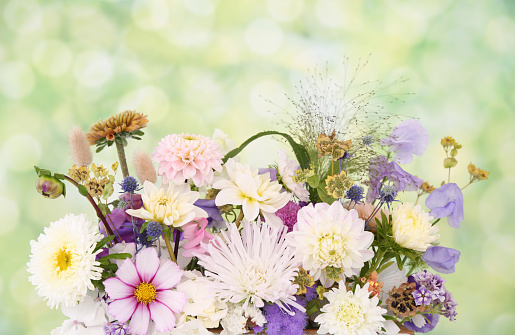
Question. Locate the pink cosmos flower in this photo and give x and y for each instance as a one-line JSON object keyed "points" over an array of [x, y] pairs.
{"points": [[197, 236], [187, 156], [141, 291]]}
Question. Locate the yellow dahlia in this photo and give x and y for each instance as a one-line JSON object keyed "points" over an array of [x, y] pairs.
{"points": [[127, 121]]}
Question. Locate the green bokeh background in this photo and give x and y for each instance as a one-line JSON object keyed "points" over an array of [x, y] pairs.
{"points": [[197, 65]]}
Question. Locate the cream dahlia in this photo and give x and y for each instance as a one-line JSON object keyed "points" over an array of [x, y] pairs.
{"points": [[287, 168], [350, 313], [173, 206], [254, 267], [63, 263], [411, 227], [329, 235], [186, 156], [254, 192]]}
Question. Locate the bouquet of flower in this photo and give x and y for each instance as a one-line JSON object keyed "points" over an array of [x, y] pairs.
{"points": [[206, 243]]}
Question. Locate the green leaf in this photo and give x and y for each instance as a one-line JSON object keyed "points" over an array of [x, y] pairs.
{"points": [[59, 176], [299, 151], [324, 196], [116, 256], [100, 148], [399, 262], [104, 209], [138, 133], [313, 181], [103, 242], [42, 172], [124, 141], [83, 190]]}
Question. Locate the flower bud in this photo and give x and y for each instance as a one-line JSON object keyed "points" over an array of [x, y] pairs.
{"points": [[454, 152], [50, 187], [450, 162]]}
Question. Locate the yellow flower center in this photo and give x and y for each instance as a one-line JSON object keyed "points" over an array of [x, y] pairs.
{"points": [[351, 314], [163, 201], [63, 259], [145, 293]]}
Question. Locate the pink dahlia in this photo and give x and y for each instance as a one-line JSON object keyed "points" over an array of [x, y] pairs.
{"points": [[187, 156], [141, 291]]}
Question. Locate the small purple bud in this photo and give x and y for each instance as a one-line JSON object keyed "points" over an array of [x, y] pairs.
{"points": [[50, 187]]}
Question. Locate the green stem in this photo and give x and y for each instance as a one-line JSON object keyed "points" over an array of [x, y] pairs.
{"points": [[169, 247], [176, 243], [121, 157]]}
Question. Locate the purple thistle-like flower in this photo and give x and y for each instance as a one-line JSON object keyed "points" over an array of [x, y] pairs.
{"points": [[355, 193], [368, 140], [422, 296], [447, 201], [154, 230], [116, 328], [311, 292], [407, 139], [380, 168], [288, 214], [130, 185], [279, 322]]}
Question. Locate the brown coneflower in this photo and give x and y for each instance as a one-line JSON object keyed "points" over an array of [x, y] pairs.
{"points": [[127, 121]]}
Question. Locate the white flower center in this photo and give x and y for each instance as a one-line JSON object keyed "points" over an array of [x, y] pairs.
{"points": [[350, 314]]}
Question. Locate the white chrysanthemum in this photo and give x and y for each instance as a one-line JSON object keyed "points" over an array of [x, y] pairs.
{"points": [[173, 206], [411, 227], [330, 235], [287, 168], [254, 192], [253, 267], [235, 323], [63, 263], [350, 313], [191, 327]]}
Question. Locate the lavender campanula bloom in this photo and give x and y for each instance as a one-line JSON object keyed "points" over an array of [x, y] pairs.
{"points": [[427, 327], [272, 171], [447, 201], [214, 217], [381, 168], [407, 139], [441, 259]]}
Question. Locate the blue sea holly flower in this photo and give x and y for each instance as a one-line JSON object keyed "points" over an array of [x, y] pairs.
{"points": [[407, 139], [447, 201], [441, 259], [130, 185]]}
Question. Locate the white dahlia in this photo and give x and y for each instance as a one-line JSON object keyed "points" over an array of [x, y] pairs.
{"points": [[254, 267], [330, 235], [187, 156], [63, 263], [254, 192], [287, 168], [173, 206], [411, 227], [350, 313]]}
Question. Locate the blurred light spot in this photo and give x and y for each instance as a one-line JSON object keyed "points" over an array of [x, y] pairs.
{"points": [[503, 324], [1, 286], [500, 34], [151, 14], [21, 152], [16, 79], [10, 216], [93, 68], [21, 290], [149, 100], [200, 7], [496, 250], [494, 198], [267, 95], [285, 10], [189, 36], [264, 36], [23, 16], [52, 57], [329, 13]]}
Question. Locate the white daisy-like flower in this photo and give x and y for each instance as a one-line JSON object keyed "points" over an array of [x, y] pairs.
{"points": [[411, 227], [173, 206], [254, 267], [350, 313], [224, 142], [287, 168], [63, 263], [191, 327], [330, 235], [254, 192], [235, 323]]}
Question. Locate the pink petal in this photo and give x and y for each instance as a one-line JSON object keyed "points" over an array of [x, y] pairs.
{"points": [[128, 273], [123, 309], [162, 316], [172, 299], [168, 275], [189, 171], [147, 263], [117, 289], [140, 320]]}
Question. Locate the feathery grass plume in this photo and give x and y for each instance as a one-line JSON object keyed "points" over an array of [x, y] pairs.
{"points": [[79, 147], [144, 167], [351, 108]]}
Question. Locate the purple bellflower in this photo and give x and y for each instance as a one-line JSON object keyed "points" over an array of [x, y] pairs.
{"points": [[447, 201], [407, 139], [441, 259]]}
